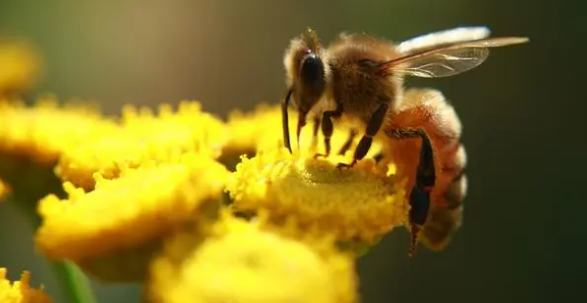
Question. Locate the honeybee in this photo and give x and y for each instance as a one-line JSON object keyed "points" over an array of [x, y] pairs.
{"points": [[361, 77]]}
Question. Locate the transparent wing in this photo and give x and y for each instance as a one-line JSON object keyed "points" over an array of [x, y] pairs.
{"points": [[445, 37], [445, 64], [449, 60]]}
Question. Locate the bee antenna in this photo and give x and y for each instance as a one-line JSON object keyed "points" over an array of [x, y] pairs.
{"points": [[285, 119], [311, 39]]}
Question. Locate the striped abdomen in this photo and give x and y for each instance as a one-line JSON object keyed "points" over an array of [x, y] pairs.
{"points": [[427, 109]]}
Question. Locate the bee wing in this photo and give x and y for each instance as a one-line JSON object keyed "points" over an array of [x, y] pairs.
{"points": [[443, 63], [445, 37], [447, 60]]}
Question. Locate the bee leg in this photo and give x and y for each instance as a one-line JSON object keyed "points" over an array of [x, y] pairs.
{"points": [[315, 132], [347, 145], [285, 119], [372, 128], [328, 129], [316, 127], [425, 180]]}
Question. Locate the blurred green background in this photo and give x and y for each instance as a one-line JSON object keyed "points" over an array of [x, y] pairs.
{"points": [[522, 239]]}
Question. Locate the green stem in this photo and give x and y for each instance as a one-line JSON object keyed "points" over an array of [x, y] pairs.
{"points": [[75, 286]]}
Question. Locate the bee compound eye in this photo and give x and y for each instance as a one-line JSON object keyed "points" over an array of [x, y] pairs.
{"points": [[312, 70]]}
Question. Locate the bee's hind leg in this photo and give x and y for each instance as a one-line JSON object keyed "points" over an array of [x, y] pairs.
{"points": [[425, 180]]}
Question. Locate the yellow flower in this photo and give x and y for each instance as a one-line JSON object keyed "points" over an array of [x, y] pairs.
{"points": [[359, 204], [19, 66], [20, 291], [244, 262], [143, 137], [44, 131], [32, 138], [129, 213]]}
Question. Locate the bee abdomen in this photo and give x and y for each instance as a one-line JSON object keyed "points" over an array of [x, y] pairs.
{"points": [[428, 109], [446, 214], [445, 220]]}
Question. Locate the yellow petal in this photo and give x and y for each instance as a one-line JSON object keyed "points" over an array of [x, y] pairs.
{"points": [[142, 205], [244, 262], [21, 291], [144, 137]]}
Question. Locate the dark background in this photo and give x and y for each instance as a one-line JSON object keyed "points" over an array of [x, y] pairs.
{"points": [[523, 239]]}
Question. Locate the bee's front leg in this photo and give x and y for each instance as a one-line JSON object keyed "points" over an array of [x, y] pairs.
{"points": [[328, 128], [285, 119], [372, 128]]}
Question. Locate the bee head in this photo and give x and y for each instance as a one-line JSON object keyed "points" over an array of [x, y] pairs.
{"points": [[306, 75]]}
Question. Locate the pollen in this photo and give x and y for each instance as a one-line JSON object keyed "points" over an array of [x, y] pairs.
{"points": [[358, 204], [142, 205], [21, 291], [144, 136], [19, 66], [240, 261], [44, 131]]}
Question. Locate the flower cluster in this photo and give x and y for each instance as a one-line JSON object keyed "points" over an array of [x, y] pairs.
{"points": [[21, 291], [153, 197], [234, 260]]}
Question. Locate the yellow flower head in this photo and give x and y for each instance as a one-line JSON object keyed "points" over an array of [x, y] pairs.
{"points": [[20, 291], [135, 210], [43, 132], [246, 262], [358, 204], [144, 137], [19, 66]]}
